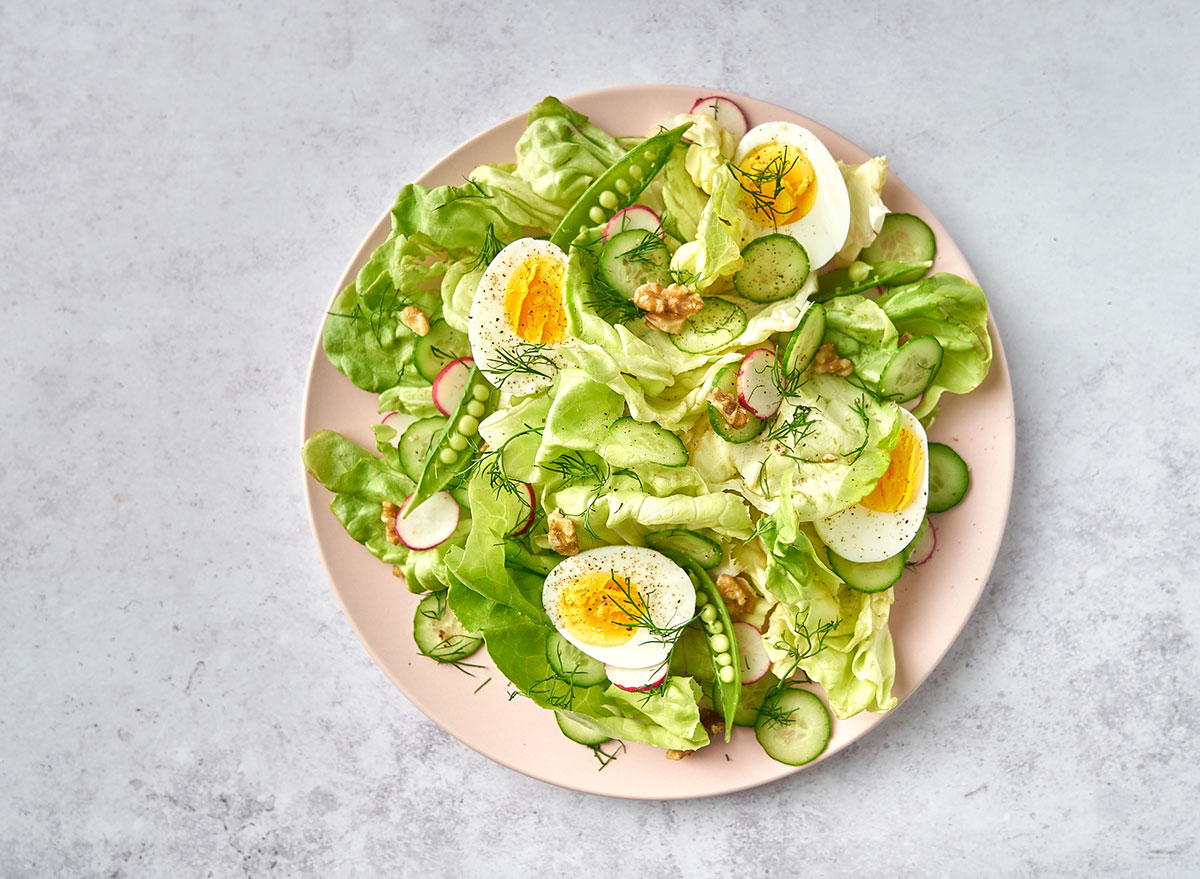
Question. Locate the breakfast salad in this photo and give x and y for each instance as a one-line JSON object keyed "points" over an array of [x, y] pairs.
{"points": [[652, 424]]}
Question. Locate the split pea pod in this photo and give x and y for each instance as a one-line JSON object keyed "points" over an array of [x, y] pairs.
{"points": [[454, 448], [619, 186]]}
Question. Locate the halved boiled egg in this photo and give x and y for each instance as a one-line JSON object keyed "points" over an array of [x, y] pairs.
{"points": [[792, 184], [883, 523], [518, 318], [622, 605]]}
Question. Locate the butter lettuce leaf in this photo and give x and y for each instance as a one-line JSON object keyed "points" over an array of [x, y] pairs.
{"points": [[560, 153], [864, 183]]}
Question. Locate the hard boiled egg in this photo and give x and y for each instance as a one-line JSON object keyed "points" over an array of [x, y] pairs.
{"points": [[883, 523], [792, 185], [622, 605], [518, 319]]}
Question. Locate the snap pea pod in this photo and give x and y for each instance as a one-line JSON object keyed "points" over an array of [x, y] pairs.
{"points": [[727, 687], [839, 282], [444, 461], [619, 186]]}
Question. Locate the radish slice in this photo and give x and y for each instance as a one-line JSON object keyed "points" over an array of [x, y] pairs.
{"points": [[450, 384], [399, 422], [924, 550], [756, 387], [633, 217], [914, 402], [728, 114], [751, 654], [430, 524], [633, 679], [527, 523]]}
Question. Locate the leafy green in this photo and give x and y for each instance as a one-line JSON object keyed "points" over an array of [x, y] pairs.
{"points": [[864, 183], [715, 253], [561, 153]]}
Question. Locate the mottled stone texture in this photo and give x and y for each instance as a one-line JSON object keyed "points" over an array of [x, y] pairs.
{"points": [[181, 186]]}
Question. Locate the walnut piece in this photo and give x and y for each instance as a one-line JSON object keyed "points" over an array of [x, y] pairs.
{"points": [[674, 754], [388, 517], [712, 722], [727, 404], [827, 360], [667, 308], [736, 592], [563, 539], [415, 319]]}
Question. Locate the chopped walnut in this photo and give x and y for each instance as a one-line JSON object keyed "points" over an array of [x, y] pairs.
{"points": [[667, 308], [827, 360], [397, 571], [415, 319], [712, 722], [727, 404], [905, 338], [563, 539], [674, 754], [388, 517], [735, 592], [828, 458]]}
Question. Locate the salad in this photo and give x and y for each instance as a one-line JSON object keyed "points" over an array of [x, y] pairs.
{"points": [[652, 424]]}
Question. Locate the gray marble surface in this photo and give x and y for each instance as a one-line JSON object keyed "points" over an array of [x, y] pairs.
{"points": [[182, 185]]}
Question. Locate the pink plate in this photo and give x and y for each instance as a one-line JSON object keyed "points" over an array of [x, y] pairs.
{"points": [[932, 605]]}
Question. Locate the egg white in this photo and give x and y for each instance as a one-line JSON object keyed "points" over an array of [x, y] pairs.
{"points": [[823, 229], [669, 595], [859, 534], [487, 325]]}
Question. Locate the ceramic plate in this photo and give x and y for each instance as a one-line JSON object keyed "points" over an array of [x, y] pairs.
{"points": [[931, 607]]}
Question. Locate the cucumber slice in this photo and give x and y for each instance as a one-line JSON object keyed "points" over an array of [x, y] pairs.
{"points": [[775, 267], [793, 727], [948, 478], [704, 551], [717, 325], [578, 731], [572, 664], [751, 700], [912, 369], [632, 258], [439, 346], [416, 442], [805, 341], [438, 633], [726, 381], [884, 274], [903, 238], [868, 576], [631, 442]]}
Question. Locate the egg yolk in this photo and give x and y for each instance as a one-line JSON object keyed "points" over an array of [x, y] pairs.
{"points": [[533, 301], [600, 609], [896, 487], [780, 183]]}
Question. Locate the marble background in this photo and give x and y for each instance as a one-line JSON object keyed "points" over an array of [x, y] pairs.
{"points": [[182, 184]]}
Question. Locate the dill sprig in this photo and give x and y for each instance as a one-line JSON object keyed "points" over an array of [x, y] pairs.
{"points": [[390, 304], [526, 358], [649, 251], [611, 306], [764, 185], [472, 189], [488, 250], [808, 644], [637, 613], [793, 429], [684, 278], [606, 757], [492, 464], [575, 469]]}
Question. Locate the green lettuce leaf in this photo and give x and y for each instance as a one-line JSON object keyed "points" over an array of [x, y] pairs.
{"points": [[560, 153], [862, 332], [715, 253], [864, 183]]}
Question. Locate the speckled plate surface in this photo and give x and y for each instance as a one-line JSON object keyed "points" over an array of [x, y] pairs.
{"points": [[932, 604]]}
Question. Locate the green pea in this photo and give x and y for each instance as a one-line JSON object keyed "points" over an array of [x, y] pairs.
{"points": [[725, 658], [720, 643], [468, 425], [457, 441], [448, 456], [726, 674], [701, 598], [708, 614], [858, 271], [622, 186], [597, 214], [608, 199], [715, 628], [480, 393], [475, 409], [651, 155], [636, 171]]}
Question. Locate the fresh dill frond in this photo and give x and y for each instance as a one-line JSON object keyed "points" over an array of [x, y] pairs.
{"points": [[793, 429], [525, 358], [390, 303], [472, 189], [647, 252], [764, 185], [606, 757], [575, 469], [611, 306], [488, 250]]}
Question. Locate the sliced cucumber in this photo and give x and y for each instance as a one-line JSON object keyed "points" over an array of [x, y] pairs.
{"points": [[751, 700], [578, 731], [632, 258], [884, 274], [631, 442], [726, 381], [793, 727], [717, 325], [572, 664], [903, 238], [948, 478], [704, 551], [415, 443], [868, 576], [775, 267], [805, 340], [438, 633], [911, 370], [439, 346]]}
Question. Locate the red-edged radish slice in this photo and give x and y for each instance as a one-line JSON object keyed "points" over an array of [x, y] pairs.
{"points": [[634, 679], [924, 549], [912, 404], [751, 654], [527, 522], [429, 524], [633, 217], [728, 114], [756, 386], [450, 384], [399, 422]]}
